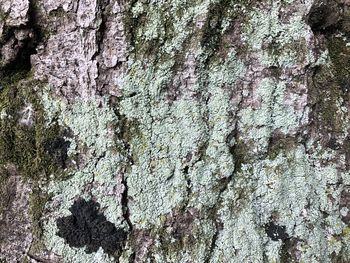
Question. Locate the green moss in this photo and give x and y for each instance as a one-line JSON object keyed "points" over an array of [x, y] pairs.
{"points": [[331, 82], [278, 145], [326, 97], [37, 204], [2, 15], [9, 77], [171, 246], [339, 53], [37, 150], [25, 260], [130, 131]]}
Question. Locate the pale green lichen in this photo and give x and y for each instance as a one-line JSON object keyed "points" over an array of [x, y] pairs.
{"points": [[192, 247], [265, 28], [181, 156], [169, 134], [273, 113], [170, 24], [87, 118], [291, 188], [98, 176]]}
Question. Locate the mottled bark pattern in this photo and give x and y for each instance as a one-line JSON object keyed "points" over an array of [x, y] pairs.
{"points": [[174, 131]]}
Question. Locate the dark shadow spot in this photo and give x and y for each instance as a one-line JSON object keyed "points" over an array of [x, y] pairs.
{"points": [[26, 46], [324, 15], [345, 85], [67, 132], [88, 227], [276, 232], [57, 148], [186, 169], [132, 94], [333, 144]]}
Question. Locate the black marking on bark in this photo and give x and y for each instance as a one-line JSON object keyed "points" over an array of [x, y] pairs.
{"points": [[346, 147], [88, 227], [211, 34], [188, 186], [276, 232], [35, 25], [132, 258], [345, 85]]}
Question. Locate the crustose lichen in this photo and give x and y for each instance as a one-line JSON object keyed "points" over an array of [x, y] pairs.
{"points": [[88, 227]]}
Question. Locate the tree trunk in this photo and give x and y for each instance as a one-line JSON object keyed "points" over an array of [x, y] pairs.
{"points": [[174, 131]]}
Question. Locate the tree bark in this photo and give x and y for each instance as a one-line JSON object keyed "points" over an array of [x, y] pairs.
{"points": [[174, 131]]}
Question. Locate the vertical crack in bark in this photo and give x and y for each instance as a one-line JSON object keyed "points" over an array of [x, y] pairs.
{"points": [[102, 27], [129, 161], [188, 187], [213, 243], [34, 24], [210, 43], [125, 201]]}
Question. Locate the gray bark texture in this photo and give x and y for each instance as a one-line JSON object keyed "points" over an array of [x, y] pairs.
{"points": [[182, 131]]}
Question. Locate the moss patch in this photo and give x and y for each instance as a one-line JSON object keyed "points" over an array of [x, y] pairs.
{"points": [[280, 144], [36, 149], [37, 203], [340, 56]]}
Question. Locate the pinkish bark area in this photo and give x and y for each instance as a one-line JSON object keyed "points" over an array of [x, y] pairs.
{"points": [[15, 223], [174, 131]]}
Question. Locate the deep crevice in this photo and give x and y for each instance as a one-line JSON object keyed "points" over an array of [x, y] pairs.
{"points": [[213, 243], [102, 28], [324, 16], [188, 187], [122, 135], [20, 67], [125, 201]]}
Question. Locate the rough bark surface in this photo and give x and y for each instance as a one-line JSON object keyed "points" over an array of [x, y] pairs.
{"points": [[174, 131]]}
